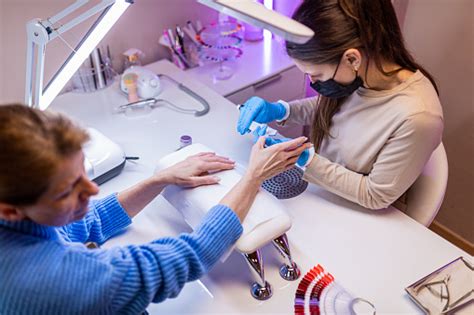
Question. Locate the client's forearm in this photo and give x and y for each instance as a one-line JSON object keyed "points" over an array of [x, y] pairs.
{"points": [[241, 197], [135, 198]]}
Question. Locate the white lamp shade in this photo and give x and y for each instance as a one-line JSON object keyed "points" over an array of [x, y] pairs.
{"points": [[258, 15]]}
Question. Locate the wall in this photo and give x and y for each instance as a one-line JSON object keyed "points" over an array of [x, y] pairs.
{"points": [[286, 7], [140, 27], [440, 35]]}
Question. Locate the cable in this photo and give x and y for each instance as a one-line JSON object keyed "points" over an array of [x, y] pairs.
{"points": [[175, 107], [191, 93], [151, 102]]}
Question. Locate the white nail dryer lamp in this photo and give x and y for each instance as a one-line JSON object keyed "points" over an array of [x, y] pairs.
{"points": [[103, 158], [266, 220]]}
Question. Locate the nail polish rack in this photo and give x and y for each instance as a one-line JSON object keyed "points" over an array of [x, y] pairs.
{"points": [[220, 43]]}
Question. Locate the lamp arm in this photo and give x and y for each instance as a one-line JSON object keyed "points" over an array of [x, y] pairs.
{"points": [[65, 12], [37, 38], [71, 55], [77, 20], [40, 33]]}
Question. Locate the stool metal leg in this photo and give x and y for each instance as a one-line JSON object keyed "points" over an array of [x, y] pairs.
{"points": [[289, 270], [261, 289]]}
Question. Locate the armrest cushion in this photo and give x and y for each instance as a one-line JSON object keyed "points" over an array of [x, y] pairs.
{"points": [[266, 220]]}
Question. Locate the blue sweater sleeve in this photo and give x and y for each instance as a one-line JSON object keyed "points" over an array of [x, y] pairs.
{"points": [[105, 218], [155, 271]]}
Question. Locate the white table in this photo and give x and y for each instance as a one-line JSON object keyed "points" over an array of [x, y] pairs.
{"points": [[373, 254]]}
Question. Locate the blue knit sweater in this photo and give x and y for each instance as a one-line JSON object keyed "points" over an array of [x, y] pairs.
{"points": [[47, 270]]}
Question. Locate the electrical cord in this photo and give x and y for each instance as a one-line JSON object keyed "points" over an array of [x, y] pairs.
{"points": [[152, 102], [191, 93]]}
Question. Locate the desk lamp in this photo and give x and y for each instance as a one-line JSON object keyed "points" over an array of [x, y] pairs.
{"points": [[41, 32], [103, 158]]}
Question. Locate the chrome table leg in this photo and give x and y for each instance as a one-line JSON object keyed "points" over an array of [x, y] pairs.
{"points": [[289, 270], [261, 289]]}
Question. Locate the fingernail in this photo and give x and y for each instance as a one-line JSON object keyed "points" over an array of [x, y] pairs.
{"points": [[217, 178]]}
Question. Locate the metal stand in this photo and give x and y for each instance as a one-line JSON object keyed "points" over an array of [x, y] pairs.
{"points": [[261, 289], [289, 270]]}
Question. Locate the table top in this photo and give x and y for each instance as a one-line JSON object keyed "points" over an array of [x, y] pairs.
{"points": [[259, 61], [373, 254]]}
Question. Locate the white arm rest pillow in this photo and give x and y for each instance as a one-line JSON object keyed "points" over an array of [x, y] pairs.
{"points": [[266, 220]]}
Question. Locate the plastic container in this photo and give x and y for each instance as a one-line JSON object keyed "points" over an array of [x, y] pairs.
{"points": [[85, 79], [184, 141]]}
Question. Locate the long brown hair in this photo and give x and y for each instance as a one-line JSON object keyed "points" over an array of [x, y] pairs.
{"points": [[368, 25], [32, 143]]}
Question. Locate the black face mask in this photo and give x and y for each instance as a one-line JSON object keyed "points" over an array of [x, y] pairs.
{"points": [[332, 89]]}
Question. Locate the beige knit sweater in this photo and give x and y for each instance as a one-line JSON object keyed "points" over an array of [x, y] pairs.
{"points": [[380, 142]]}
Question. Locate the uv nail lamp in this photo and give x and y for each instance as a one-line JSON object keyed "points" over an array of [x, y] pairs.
{"points": [[103, 158]]}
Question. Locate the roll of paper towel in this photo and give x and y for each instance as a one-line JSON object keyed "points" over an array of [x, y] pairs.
{"points": [[266, 220]]}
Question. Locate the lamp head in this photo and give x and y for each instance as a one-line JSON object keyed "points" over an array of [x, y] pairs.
{"points": [[258, 15]]}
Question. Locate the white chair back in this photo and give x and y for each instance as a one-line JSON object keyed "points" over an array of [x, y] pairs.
{"points": [[425, 196]]}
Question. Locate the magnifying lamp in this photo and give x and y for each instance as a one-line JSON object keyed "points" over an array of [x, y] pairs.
{"points": [[101, 164], [258, 15], [41, 32]]}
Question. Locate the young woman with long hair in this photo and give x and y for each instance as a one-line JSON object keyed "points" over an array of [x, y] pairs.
{"points": [[377, 118]]}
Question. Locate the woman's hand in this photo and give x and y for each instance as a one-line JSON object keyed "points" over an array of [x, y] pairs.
{"points": [[270, 161], [192, 172], [195, 170], [264, 163], [303, 159], [259, 110]]}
